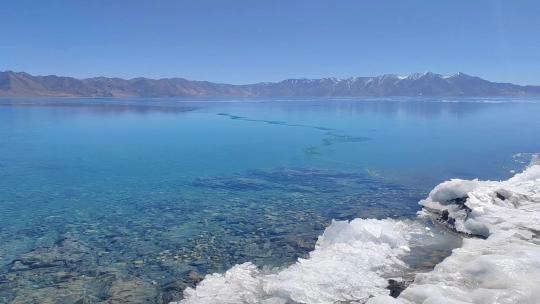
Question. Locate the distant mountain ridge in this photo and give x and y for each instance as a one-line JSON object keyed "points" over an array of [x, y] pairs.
{"points": [[20, 84]]}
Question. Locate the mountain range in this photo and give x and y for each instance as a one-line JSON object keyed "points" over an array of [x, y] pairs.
{"points": [[20, 84]]}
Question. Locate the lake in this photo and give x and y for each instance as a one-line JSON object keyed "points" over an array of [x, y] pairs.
{"points": [[135, 199]]}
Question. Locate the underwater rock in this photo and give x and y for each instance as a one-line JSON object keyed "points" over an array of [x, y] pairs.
{"points": [[133, 290], [396, 287], [65, 252], [194, 277]]}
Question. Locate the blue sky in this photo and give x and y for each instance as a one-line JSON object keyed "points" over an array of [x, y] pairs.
{"points": [[251, 41]]}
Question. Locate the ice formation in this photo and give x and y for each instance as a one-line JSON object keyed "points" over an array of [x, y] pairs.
{"points": [[352, 261], [502, 268]]}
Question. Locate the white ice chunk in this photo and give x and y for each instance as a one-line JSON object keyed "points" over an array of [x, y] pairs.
{"points": [[351, 263], [504, 267]]}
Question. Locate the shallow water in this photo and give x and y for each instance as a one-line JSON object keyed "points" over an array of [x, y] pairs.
{"points": [[124, 200]]}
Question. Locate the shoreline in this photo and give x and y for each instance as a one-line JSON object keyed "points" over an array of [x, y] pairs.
{"points": [[357, 261]]}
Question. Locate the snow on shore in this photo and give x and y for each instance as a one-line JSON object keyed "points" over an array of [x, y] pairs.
{"points": [[502, 268], [352, 261]]}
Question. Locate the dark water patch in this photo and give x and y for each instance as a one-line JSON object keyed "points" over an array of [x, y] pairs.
{"points": [[312, 151], [426, 251], [333, 137], [274, 122], [294, 180]]}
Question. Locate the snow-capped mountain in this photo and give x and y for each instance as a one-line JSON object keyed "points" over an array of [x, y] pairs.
{"points": [[419, 84]]}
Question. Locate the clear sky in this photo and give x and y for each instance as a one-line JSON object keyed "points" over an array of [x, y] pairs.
{"points": [[248, 41]]}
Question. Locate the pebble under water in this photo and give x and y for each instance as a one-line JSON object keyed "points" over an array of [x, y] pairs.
{"points": [[147, 247]]}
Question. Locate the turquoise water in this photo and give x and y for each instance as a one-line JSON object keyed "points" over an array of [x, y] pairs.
{"points": [[101, 197]]}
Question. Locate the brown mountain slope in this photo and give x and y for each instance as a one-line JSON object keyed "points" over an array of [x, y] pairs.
{"points": [[13, 84]]}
